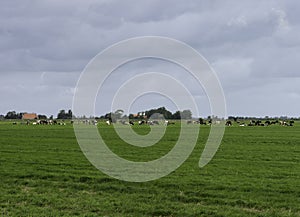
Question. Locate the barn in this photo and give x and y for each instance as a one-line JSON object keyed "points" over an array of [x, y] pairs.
{"points": [[29, 116]]}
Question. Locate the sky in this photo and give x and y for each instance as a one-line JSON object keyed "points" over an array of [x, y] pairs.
{"points": [[253, 46]]}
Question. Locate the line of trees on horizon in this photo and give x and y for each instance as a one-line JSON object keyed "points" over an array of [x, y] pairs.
{"points": [[15, 115], [62, 114], [156, 113]]}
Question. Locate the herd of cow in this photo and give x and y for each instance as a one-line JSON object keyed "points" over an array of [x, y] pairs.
{"points": [[261, 123], [42, 122], [166, 122], [141, 122], [209, 122]]}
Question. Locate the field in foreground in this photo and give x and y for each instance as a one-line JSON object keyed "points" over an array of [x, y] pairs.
{"points": [[256, 172]]}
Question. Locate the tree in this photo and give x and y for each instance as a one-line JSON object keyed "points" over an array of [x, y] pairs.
{"points": [[63, 115], [162, 110], [13, 115], [70, 114], [176, 115], [118, 114], [186, 114], [42, 117]]}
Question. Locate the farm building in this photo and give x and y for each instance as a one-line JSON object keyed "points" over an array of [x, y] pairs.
{"points": [[29, 116]]}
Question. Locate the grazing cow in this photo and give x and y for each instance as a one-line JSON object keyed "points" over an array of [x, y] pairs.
{"points": [[189, 122], [131, 123], [44, 122], [150, 123], [228, 123], [108, 122], [283, 123], [201, 121], [141, 122], [14, 123], [155, 122]]}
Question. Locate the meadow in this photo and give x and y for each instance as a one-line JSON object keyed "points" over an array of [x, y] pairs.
{"points": [[256, 172]]}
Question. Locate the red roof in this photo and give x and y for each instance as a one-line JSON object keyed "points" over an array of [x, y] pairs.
{"points": [[29, 116]]}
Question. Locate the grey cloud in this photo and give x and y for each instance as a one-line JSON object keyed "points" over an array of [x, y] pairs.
{"points": [[249, 43]]}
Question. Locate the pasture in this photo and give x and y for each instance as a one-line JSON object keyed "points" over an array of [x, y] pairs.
{"points": [[256, 172]]}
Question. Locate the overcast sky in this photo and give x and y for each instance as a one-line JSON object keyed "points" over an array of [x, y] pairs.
{"points": [[254, 47]]}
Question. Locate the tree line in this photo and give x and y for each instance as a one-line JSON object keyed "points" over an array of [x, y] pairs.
{"points": [[157, 113], [62, 114], [118, 114]]}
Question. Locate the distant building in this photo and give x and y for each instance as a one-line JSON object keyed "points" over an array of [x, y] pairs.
{"points": [[29, 116]]}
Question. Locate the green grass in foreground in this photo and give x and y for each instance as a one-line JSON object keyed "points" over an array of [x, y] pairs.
{"points": [[256, 172]]}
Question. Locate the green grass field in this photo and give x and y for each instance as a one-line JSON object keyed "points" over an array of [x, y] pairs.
{"points": [[256, 172]]}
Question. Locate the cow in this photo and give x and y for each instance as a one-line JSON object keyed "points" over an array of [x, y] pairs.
{"points": [[267, 123], [155, 122], [228, 123], [44, 122], [141, 122]]}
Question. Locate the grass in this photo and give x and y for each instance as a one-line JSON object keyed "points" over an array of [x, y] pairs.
{"points": [[256, 172]]}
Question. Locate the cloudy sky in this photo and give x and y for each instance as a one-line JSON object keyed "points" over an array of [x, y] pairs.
{"points": [[254, 47]]}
